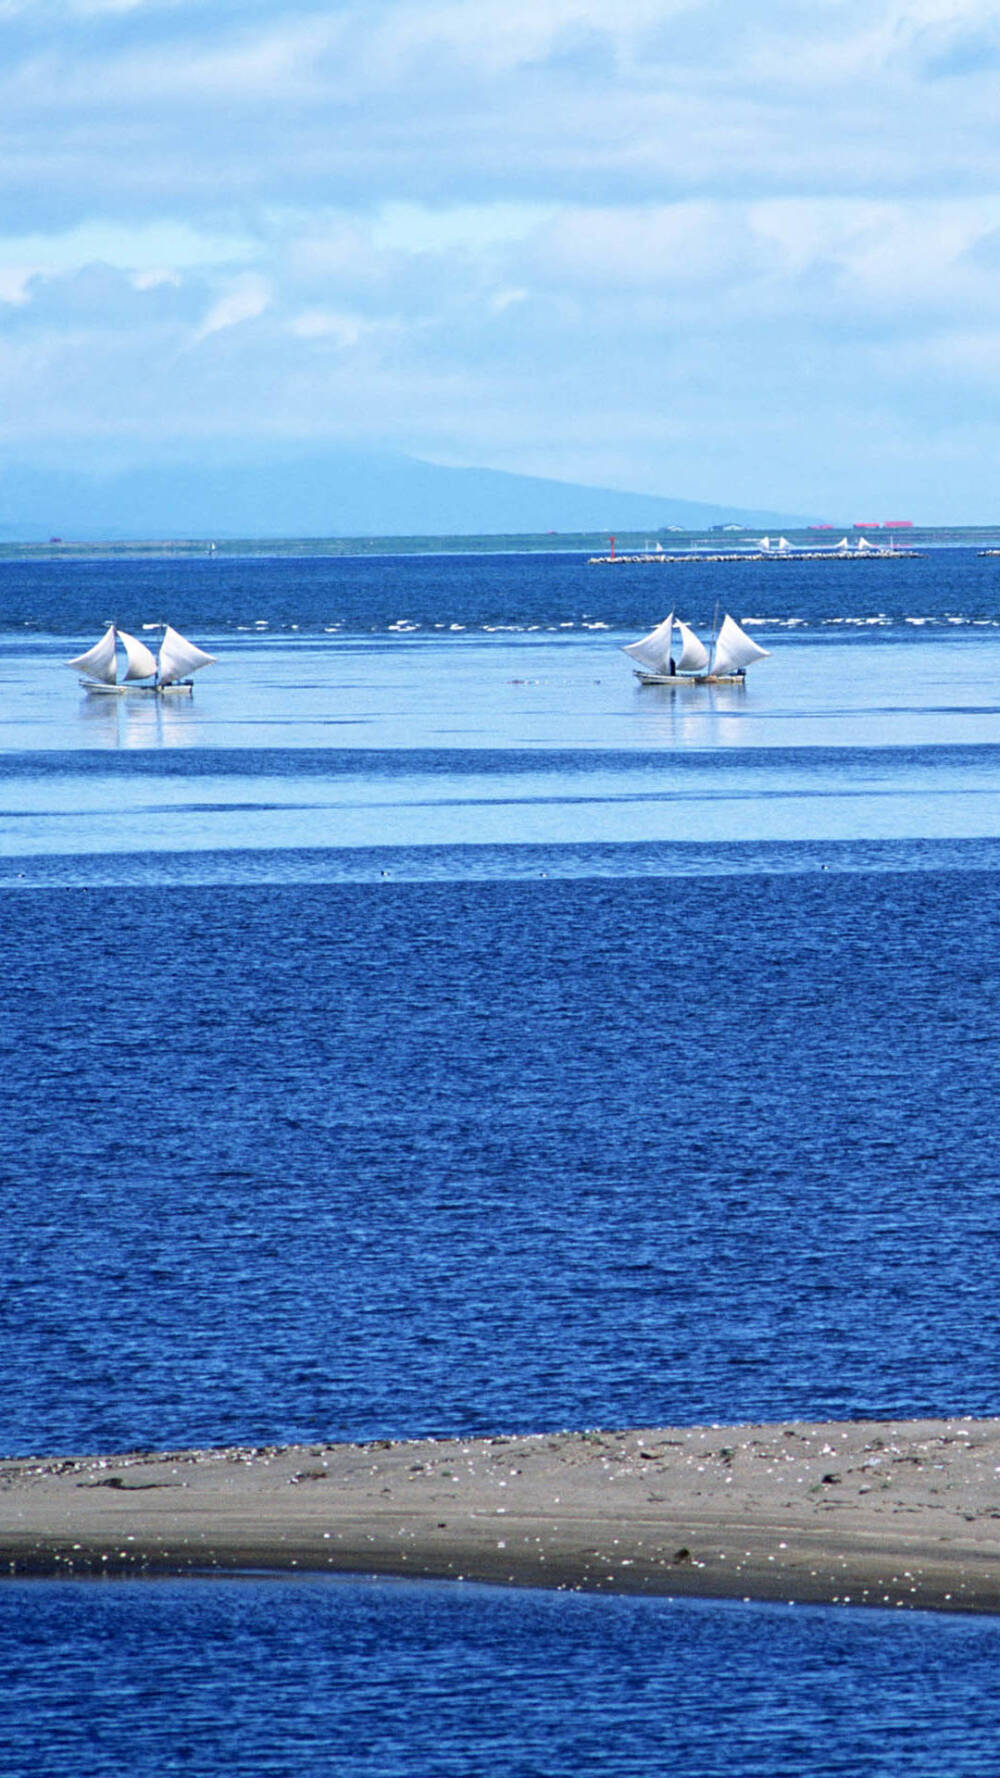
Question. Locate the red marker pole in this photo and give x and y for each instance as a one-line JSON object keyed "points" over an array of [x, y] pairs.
{"points": [[612, 549]]}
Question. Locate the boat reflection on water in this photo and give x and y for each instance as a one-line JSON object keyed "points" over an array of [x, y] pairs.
{"points": [[715, 717], [149, 704], [137, 723]]}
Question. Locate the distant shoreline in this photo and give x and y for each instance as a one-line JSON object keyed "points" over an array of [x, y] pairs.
{"points": [[584, 543], [901, 1514]]}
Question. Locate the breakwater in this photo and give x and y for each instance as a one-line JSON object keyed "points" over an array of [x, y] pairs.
{"points": [[799, 555]]}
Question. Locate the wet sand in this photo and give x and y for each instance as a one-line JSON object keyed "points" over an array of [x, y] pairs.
{"points": [[903, 1514]]}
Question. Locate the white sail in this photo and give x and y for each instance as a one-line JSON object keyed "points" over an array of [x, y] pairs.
{"points": [[101, 661], [735, 649], [765, 543], [694, 654], [653, 651], [141, 663], [178, 657], [783, 543]]}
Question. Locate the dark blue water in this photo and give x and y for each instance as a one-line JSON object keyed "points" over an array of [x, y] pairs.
{"points": [[379, 1159], [365, 594], [532, 1053], [383, 1681]]}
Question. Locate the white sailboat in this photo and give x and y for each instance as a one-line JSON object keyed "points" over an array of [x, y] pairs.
{"points": [[690, 662], [169, 670], [734, 651], [654, 652]]}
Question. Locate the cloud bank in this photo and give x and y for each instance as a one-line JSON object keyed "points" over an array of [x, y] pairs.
{"points": [[745, 255]]}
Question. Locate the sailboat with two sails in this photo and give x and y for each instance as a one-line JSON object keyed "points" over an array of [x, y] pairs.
{"points": [[664, 660], [169, 670]]}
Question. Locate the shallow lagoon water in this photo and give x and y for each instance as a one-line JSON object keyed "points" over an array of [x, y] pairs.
{"points": [[292, 744], [484, 692], [434, 1032]]}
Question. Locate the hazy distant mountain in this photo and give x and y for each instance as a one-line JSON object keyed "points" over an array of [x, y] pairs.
{"points": [[328, 494]]}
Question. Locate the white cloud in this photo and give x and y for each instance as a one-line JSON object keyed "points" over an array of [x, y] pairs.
{"points": [[130, 246], [14, 281], [245, 300], [153, 280], [324, 324], [49, 12], [160, 72], [460, 223], [423, 228], [653, 246], [154, 254], [497, 36], [508, 299]]}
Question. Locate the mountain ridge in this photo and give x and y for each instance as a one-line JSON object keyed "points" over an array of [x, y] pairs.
{"points": [[331, 494]]}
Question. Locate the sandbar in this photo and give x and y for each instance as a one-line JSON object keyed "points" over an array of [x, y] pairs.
{"points": [[902, 1514]]}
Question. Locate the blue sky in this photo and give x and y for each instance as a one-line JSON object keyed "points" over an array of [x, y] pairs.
{"points": [[743, 252]]}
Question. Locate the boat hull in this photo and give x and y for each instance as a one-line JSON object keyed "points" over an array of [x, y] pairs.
{"points": [[691, 678], [95, 690]]}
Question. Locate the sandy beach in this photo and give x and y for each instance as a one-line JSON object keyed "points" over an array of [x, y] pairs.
{"points": [[904, 1514]]}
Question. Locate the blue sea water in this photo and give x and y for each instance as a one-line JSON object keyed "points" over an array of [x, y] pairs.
{"points": [[384, 1680], [425, 1029]]}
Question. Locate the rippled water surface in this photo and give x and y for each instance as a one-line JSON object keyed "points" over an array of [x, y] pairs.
{"points": [[381, 1681], [379, 1158], [424, 1028]]}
